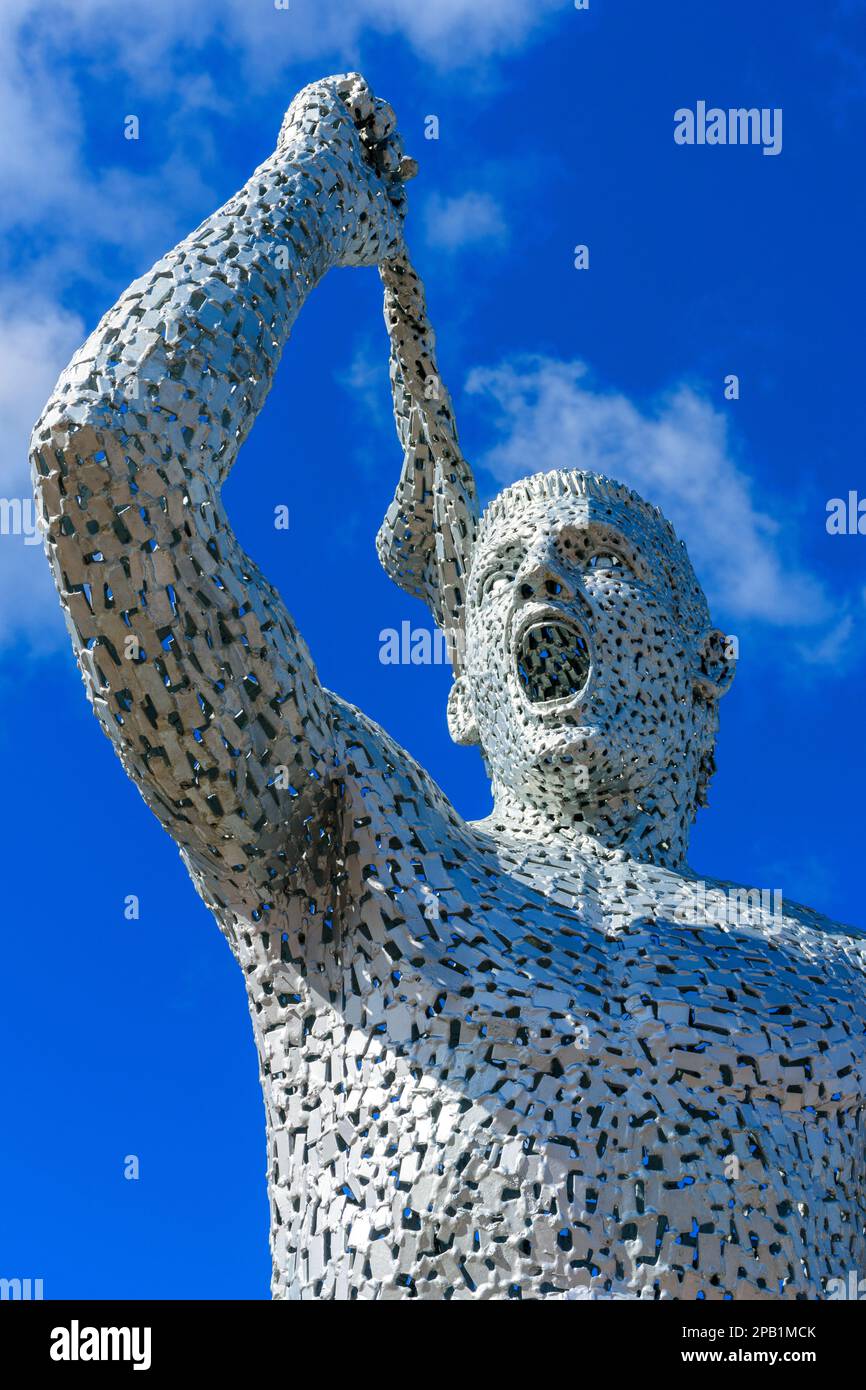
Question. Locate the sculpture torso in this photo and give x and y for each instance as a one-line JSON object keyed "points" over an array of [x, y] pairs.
{"points": [[499, 1075]]}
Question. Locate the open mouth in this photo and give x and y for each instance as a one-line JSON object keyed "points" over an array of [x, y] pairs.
{"points": [[552, 659]]}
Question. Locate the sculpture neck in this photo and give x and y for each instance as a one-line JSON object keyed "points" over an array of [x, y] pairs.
{"points": [[642, 830]]}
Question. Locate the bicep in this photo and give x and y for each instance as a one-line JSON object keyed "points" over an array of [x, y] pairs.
{"points": [[190, 658]]}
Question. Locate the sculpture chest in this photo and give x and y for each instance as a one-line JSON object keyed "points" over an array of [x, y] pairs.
{"points": [[513, 1090]]}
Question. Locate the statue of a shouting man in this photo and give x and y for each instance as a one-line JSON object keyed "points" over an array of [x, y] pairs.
{"points": [[527, 1057]]}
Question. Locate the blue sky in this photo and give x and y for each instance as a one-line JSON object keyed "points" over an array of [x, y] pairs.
{"points": [[555, 129]]}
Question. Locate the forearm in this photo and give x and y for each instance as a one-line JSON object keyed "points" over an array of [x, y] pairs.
{"points": [[426, 539], [190, 349]]}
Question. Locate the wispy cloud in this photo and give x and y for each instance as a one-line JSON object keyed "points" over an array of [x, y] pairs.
{"points": [[467, 220], [189, 56], [36, 341], [366, 376], [477, 30], [173, 46], [831, 648], [677, 451], [148, 41]]}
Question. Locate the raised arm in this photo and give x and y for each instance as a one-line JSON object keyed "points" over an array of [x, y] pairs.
{"points": [[192, 664], [426, 539]]}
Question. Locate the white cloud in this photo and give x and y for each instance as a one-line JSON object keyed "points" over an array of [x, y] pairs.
{"points": [[199, 55], [676, 453], [148, 40], [36, 342], [458, 31], [367, 376], [470, 219], [830, 648]]}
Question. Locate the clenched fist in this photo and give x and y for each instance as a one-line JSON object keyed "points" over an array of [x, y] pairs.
{"points": [[346, 139]]}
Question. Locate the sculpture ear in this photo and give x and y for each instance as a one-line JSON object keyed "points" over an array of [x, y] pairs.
{"points": [[461, 719], [717, 663]]}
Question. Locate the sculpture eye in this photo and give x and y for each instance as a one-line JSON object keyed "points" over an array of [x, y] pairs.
{"points": [[604, 561], [493, 583]]}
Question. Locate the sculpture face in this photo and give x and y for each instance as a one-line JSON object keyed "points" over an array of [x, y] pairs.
{"points": [[585, 663]]}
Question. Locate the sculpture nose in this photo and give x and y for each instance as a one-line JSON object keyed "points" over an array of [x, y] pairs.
{"points": [[542, 574]]}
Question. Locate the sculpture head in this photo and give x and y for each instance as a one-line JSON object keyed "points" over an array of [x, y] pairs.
{"points": [[587, 667]]}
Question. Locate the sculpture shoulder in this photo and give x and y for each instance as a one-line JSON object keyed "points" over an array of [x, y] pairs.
{"points": [[825, 940], [813, 921], [386, 787], [778, 917]]}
